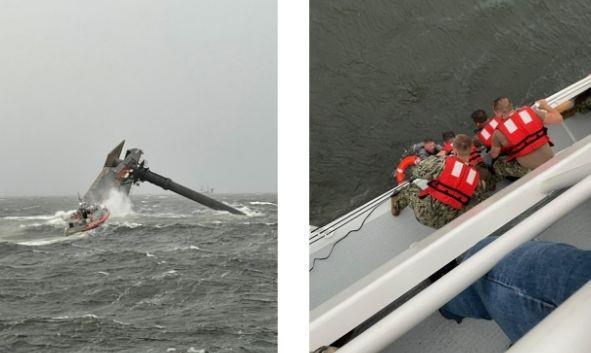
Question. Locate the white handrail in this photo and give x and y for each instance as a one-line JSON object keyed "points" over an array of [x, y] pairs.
{"points": [[411, 313], [566, 329], [569, 92]]}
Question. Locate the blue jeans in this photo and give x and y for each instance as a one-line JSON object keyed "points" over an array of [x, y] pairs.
{"points": [[524, 287]]}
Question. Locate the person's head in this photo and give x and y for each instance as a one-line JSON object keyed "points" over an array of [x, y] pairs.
{"points": [[448, 136], [463, 146], [429, 145], [502, 106], [480, 118]]}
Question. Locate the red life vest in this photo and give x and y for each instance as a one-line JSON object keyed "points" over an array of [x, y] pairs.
{"points": [[485, 135], [448, 147], [475, 157], [455, 185], [524, 131]]}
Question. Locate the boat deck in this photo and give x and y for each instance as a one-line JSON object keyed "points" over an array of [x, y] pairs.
{"points": [[437, 334], [358, 258]]}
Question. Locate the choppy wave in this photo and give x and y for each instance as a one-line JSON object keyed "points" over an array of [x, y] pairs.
{"points": [[139, 278], [56, 218]]}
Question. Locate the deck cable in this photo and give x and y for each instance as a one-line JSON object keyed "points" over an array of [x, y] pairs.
{"points": [[346, 235]]}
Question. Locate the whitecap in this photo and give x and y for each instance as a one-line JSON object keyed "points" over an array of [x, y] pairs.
{"points": [[262, 203], [169, 273], [194, 350]]}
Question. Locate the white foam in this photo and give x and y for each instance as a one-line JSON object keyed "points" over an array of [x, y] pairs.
{"points": [[262, 203], [169, 273], [47, 241], [250, 213], [103, 273], [150, 255], [195, 350], [118, 203], [65, 317], [130, 225], [57, 219]]}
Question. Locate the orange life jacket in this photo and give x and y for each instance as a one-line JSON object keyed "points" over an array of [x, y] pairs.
{"points": [[455, 185], [485, 135], [406, 162], [524, 131]]}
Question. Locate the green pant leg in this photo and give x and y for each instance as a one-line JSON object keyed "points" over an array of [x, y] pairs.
{"points": [[433, 213], [407, 196], [510, 168]]}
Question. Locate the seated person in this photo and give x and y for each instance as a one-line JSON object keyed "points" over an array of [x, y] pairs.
{"points": [[452, 184], [485, 128], [524, 287], [523, 135]]}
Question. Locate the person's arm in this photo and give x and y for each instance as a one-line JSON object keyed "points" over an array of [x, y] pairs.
{"points": [[548, 114], [495, 148], [478, 194], [477, 143]]}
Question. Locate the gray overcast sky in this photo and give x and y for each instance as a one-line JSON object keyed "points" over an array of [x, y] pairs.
{"points": [[192, 83]]}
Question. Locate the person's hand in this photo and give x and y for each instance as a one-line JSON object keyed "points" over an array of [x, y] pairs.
{"points": [[441, 153], [483, 184], [542, 103]]}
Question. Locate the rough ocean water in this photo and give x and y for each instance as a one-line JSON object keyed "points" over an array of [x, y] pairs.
{"points": [[163, 274], [386, 74]]}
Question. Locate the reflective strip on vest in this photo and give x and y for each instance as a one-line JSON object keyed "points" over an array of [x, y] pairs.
{"points": [[485, 135], [525, 117], [471, 177], [457, 171], [510, 125]]}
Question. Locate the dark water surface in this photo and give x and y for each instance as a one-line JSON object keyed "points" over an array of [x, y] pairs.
{"points": [[165, 275], [385, 74]]}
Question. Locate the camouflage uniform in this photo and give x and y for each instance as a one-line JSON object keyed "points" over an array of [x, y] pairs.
{"points": [[429, 211], [512, 168], [490, 183]]}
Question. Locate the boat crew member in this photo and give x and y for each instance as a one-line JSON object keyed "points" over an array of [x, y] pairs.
{"points": [[485, 128], [523, 135], [452, 184]]}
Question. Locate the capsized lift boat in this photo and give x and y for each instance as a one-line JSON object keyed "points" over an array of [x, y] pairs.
{"points": [[369, 287]]}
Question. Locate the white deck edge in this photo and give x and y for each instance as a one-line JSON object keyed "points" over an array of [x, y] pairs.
{"points": [[418, 308], [349, 308]]}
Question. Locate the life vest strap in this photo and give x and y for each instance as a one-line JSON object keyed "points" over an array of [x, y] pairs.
{"points": [[447, 190], [529, 139]]}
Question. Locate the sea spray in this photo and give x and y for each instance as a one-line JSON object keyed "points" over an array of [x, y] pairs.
{"points": [[118, 203]]}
